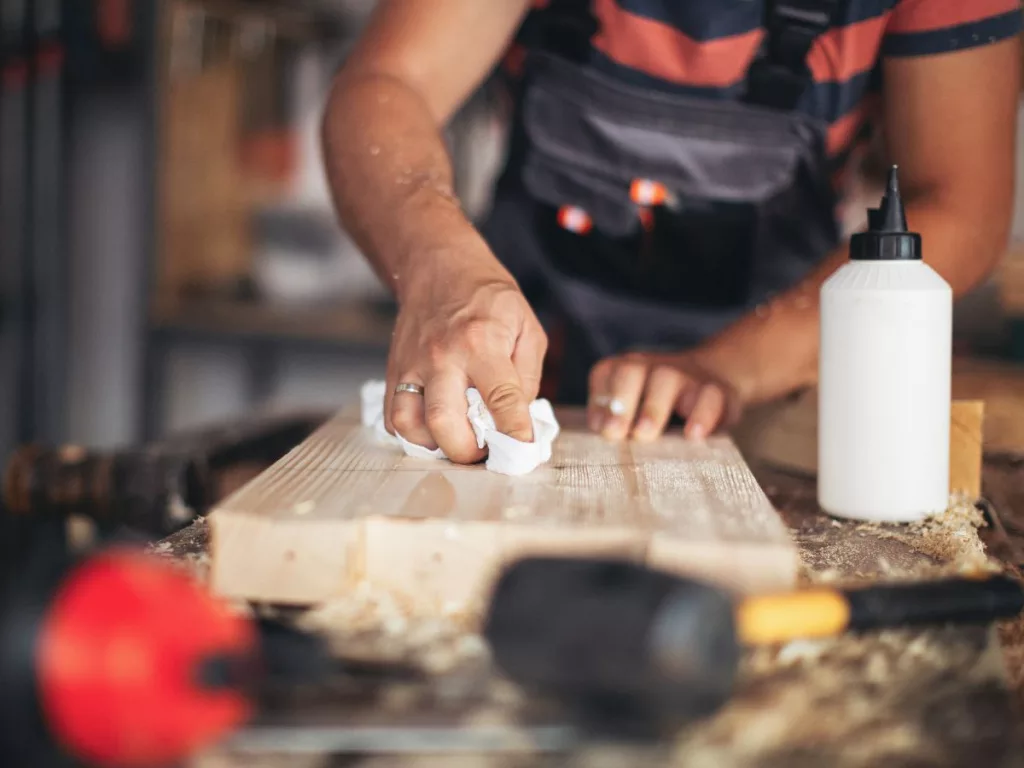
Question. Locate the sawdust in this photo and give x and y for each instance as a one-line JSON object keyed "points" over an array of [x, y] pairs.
{"points": [[946, 544], [854, 692], [950, 538], [372, 624]]}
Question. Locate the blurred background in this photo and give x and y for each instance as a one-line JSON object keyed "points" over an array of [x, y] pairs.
{"points": [[169, 256]]}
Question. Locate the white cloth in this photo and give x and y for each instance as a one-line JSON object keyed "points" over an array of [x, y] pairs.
{"points": [[505, 454]]}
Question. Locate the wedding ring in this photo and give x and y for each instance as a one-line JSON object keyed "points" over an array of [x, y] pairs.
{"points": [[415, 389], [615, 406]]}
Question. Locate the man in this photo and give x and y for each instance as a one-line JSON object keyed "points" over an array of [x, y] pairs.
{"points": [[671, 182]]}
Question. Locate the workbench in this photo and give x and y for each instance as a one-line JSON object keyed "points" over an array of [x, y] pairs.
{"points": [[943, 697]]}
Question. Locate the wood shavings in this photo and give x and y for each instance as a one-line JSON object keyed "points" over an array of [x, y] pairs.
{"points": [[950, 539], [816, 695]]}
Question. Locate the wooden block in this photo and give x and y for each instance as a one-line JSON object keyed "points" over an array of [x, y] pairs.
{"points": [[965, 447], [1001, 386], [341, 509]]}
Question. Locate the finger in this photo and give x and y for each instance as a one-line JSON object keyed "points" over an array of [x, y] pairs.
{"points": [[496, 379], [707, 414], [445, 408], [688, 397], [627, 384], [528, 359], [598, 397], [407, 413], [660, 396], [390, 381]]}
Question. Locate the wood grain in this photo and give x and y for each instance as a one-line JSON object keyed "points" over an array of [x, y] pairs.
{"points": [[965, 447], [341, 509]]}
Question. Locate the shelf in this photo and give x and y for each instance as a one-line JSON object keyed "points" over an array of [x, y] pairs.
{"points": [[352, 324]]}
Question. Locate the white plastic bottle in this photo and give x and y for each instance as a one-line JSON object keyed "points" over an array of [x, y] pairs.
{"points": [[884, 377]]}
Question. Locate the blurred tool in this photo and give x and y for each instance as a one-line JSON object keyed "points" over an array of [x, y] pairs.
{"points": [[642, 652], [122, 660], [153, 490]]}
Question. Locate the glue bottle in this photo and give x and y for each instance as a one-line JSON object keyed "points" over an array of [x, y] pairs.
{"points": [[884, 376]]}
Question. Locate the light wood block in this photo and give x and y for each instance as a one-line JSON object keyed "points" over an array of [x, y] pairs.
{"points": [[341, 509], [965, 447]]}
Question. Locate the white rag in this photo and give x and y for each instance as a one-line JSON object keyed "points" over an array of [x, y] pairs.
{"points": [[504, 454]]}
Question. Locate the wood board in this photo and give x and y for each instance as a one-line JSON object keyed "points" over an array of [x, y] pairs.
{"points": [[342, 509]]}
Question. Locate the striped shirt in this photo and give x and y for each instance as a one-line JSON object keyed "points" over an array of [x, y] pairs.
{"points": [[705, 47]]}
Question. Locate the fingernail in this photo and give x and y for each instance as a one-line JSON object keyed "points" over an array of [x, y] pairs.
{"points": [[615, 428], [696, 432], [644, 429]]}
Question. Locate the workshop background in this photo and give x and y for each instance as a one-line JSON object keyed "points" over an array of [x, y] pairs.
{"points": [[168, 253]]}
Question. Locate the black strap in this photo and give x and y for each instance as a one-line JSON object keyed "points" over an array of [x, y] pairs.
{"points": [[779, 74], [567, 28], [777, 77]]}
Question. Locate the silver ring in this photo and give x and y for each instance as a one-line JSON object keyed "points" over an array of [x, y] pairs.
{"points": [[414, 389], [615, 406]]}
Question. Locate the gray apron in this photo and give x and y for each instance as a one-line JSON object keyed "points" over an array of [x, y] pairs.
{"points": [[749, 211]]}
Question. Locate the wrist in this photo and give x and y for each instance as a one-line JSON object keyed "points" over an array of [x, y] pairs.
{"points": [[432, 273], [773, 350]]}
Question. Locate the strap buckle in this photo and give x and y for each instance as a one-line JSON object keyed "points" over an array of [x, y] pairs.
{"points": [[779, 74]]}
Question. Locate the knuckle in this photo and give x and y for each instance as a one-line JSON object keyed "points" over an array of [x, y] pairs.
{"points": [[635, 358], [438, 416], [479, 334], [667, 374], [437, 353], [504, 398], [403, 419]]}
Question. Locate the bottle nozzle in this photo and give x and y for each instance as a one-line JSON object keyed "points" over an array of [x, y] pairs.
{"points": [[891, 216], [887, 237]]}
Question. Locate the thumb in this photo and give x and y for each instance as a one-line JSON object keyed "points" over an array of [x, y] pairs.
{"points": [[503, 395]]}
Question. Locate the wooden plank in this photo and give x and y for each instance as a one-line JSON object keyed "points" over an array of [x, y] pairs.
{"points": [[341, 509], [965, 447]]}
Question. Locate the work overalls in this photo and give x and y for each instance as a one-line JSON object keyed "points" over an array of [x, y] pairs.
{"points": [[648, 220]]}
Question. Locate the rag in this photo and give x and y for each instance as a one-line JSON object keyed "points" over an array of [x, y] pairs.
{"points": [[505, 454]]}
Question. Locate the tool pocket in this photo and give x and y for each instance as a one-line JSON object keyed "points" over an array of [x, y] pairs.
{"points": [[667, 197]]}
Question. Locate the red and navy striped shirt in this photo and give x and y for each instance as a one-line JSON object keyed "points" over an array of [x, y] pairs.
{"points": [[705, 47]]}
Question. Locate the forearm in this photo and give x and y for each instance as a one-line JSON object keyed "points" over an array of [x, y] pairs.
{"points": [[781, 337], [391, 180]]}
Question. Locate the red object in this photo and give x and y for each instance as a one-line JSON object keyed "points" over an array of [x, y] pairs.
{"points": [[646, 219], [119, 663], [574, 219], [647, 192]]}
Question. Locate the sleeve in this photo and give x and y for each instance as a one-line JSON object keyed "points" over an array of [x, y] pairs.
{"points": [[922, 27]]}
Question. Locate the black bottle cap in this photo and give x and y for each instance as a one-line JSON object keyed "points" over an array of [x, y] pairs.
{"points": [[887, 238]]}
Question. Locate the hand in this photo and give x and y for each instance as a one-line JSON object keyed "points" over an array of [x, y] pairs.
{"points": [[635, 395], [756, 360], [458, 328]]}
